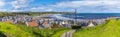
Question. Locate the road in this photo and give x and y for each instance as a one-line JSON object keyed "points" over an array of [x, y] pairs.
{"points": [[68, 33]]}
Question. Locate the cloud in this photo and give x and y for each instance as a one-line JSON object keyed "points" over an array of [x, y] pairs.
{"points": [[65, 6], [3, 10], [42, 9], [49, 10], [74, 4], [16, 10], [20, 3], [2, 3], [91, 6]]}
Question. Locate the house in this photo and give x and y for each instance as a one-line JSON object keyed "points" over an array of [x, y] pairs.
{"points": [[91, 24], [46, 24], [32, 23], [65, 24]]}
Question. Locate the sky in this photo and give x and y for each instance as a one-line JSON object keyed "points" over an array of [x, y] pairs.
{"points": [[82, 6]]}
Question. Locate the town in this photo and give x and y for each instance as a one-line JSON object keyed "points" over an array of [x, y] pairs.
{"points": [[44, 21]]}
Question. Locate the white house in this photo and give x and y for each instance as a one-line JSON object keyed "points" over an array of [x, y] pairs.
{"points": [[90, 24]]}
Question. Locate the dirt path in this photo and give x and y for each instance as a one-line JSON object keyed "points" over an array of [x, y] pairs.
{"points": [[68, 33]]}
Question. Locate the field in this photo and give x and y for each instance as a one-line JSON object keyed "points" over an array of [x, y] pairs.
{"points": [[13, 30], [109, 29]]}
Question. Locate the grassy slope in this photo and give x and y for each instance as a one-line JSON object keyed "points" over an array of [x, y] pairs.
{"points": [[110, 29], [11, 30], [59, 33]]}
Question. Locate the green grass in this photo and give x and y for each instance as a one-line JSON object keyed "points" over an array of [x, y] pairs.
{"points": [[109, 29], [12, 30], [59, 33]]}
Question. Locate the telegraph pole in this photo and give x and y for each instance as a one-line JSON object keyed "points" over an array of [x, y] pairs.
{"points": [[75, 16], [76, 26]]}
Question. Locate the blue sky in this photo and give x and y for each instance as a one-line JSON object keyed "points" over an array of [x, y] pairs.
{"points": [[82, 6]]}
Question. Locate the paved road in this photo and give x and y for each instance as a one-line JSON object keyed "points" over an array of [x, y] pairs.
{"points": [[68, 33]]}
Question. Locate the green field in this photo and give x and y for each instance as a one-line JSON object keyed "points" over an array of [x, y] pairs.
{"points": [[12, 30], [110, 29]]}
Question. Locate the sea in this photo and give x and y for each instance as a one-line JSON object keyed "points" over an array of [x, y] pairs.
{"points": [[86, 15], [91, 15]]}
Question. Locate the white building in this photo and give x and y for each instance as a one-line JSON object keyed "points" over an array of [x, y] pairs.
{"points": [[91, 24]]}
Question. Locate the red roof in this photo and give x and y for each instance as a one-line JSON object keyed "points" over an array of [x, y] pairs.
{"points": [[33, 23]]}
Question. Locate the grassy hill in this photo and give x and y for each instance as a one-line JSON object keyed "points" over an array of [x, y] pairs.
{"points": [[109, 29], [12, 30]]}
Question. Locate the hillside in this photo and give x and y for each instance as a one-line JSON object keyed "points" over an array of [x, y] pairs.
{"points": [[12, 30], [109, 29]]}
